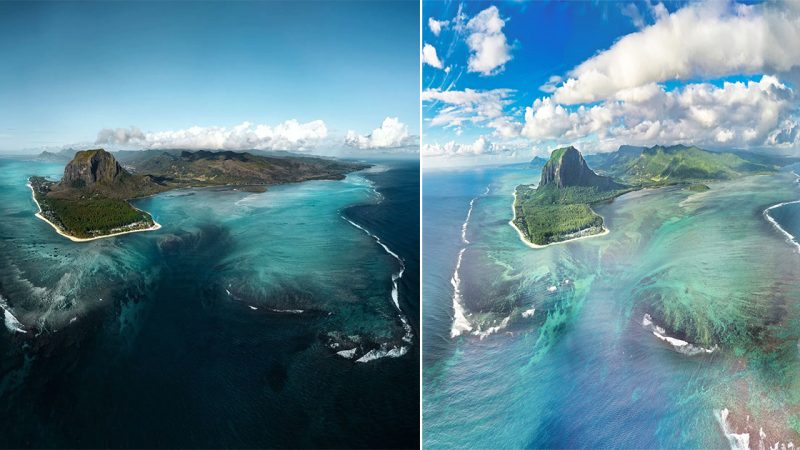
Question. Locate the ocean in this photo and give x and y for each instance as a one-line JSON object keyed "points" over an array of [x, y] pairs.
{"points": [[678, 329], [221, 329]]}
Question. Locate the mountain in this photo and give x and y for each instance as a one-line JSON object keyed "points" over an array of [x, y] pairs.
{"points": [[90, 201], [559, 208], [60, 156], [98, 172], [538, 162], [659, 165], [566, 167], [602, 162], [207, 168]]}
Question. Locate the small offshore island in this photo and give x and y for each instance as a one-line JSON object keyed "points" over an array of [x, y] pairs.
{"points": [[559, 208], [92, 199]]}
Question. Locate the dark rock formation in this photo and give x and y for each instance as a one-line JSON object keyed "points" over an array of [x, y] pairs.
{"points": [[567, 167], [90, 167]]}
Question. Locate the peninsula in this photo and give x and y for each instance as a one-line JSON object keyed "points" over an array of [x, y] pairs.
{"points": [[91, 201], [559, 209]]}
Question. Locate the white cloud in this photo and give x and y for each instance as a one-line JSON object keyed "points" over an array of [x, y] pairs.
{"points": [[630, 10], [430, 57], [289, 135], [751, 114], [551, 84], [473, 107], [487, 43], [700, 40], [119, 135], [436, 26], [391, 134], [479, 147]]}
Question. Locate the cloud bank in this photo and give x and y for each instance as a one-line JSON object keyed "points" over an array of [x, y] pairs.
{"points": [[289, 135], [391, 134], [708, 40], [626, 95]]}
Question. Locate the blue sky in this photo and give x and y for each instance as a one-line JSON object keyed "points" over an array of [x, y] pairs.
{"points": [[70, 70], [510, 80]]}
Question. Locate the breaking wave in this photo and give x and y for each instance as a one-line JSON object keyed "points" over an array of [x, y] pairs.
{"points": [[789, 236], [460, 322], [409, 332], [12, 324], [678, 345]]}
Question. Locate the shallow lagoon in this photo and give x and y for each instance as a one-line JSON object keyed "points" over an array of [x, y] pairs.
{"points": [[583, 370]]}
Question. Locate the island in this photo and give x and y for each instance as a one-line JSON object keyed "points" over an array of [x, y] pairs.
{"points": [[559, 208], [91, 201]]}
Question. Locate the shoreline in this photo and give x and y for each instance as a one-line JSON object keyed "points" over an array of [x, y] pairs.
{"points": [[537, 246], [38, 214]]}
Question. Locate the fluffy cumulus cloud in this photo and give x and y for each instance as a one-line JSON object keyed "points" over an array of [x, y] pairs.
{"points": [[430, 57], [708, 40], [436, 26], [289, 135], [740, 114], [391, 134], [481, 146], [489, 49], [455, 108]]}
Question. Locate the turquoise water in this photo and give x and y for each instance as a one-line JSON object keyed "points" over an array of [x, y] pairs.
{"points": [[221, 328], [555, 351]]}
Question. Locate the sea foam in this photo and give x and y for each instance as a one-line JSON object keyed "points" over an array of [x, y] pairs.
{"points": [[678, 345], [736, 441], [12, 324], [460, 322], [790, 238], [383, 352], [395, 295]]}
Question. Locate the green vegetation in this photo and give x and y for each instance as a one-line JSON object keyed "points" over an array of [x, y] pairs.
{"points": [[658, 165], [96, 216], [697, 187], [552, 214]]}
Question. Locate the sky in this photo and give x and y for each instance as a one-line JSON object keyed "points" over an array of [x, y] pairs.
{"points": [[306, 76], [507, 81]]}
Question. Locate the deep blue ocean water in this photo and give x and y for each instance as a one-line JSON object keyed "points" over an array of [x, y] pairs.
{"points": [[189, 336]]}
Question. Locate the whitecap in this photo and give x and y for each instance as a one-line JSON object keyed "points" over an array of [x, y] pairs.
{"points": [[288, 311], [347, 353], [372, 355], [460, 322], [492, 330], [528, 313], [408, 335], [12, 324], [678, 345], [736, 441]]}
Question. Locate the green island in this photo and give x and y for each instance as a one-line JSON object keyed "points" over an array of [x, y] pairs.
{"points": [[91, 200], [559, 208]]}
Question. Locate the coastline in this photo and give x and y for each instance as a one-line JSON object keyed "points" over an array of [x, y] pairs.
{"points": [[38, 214], [537, 246]]}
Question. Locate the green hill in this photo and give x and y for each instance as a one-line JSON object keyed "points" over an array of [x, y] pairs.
{"points": [[659, 165]]}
